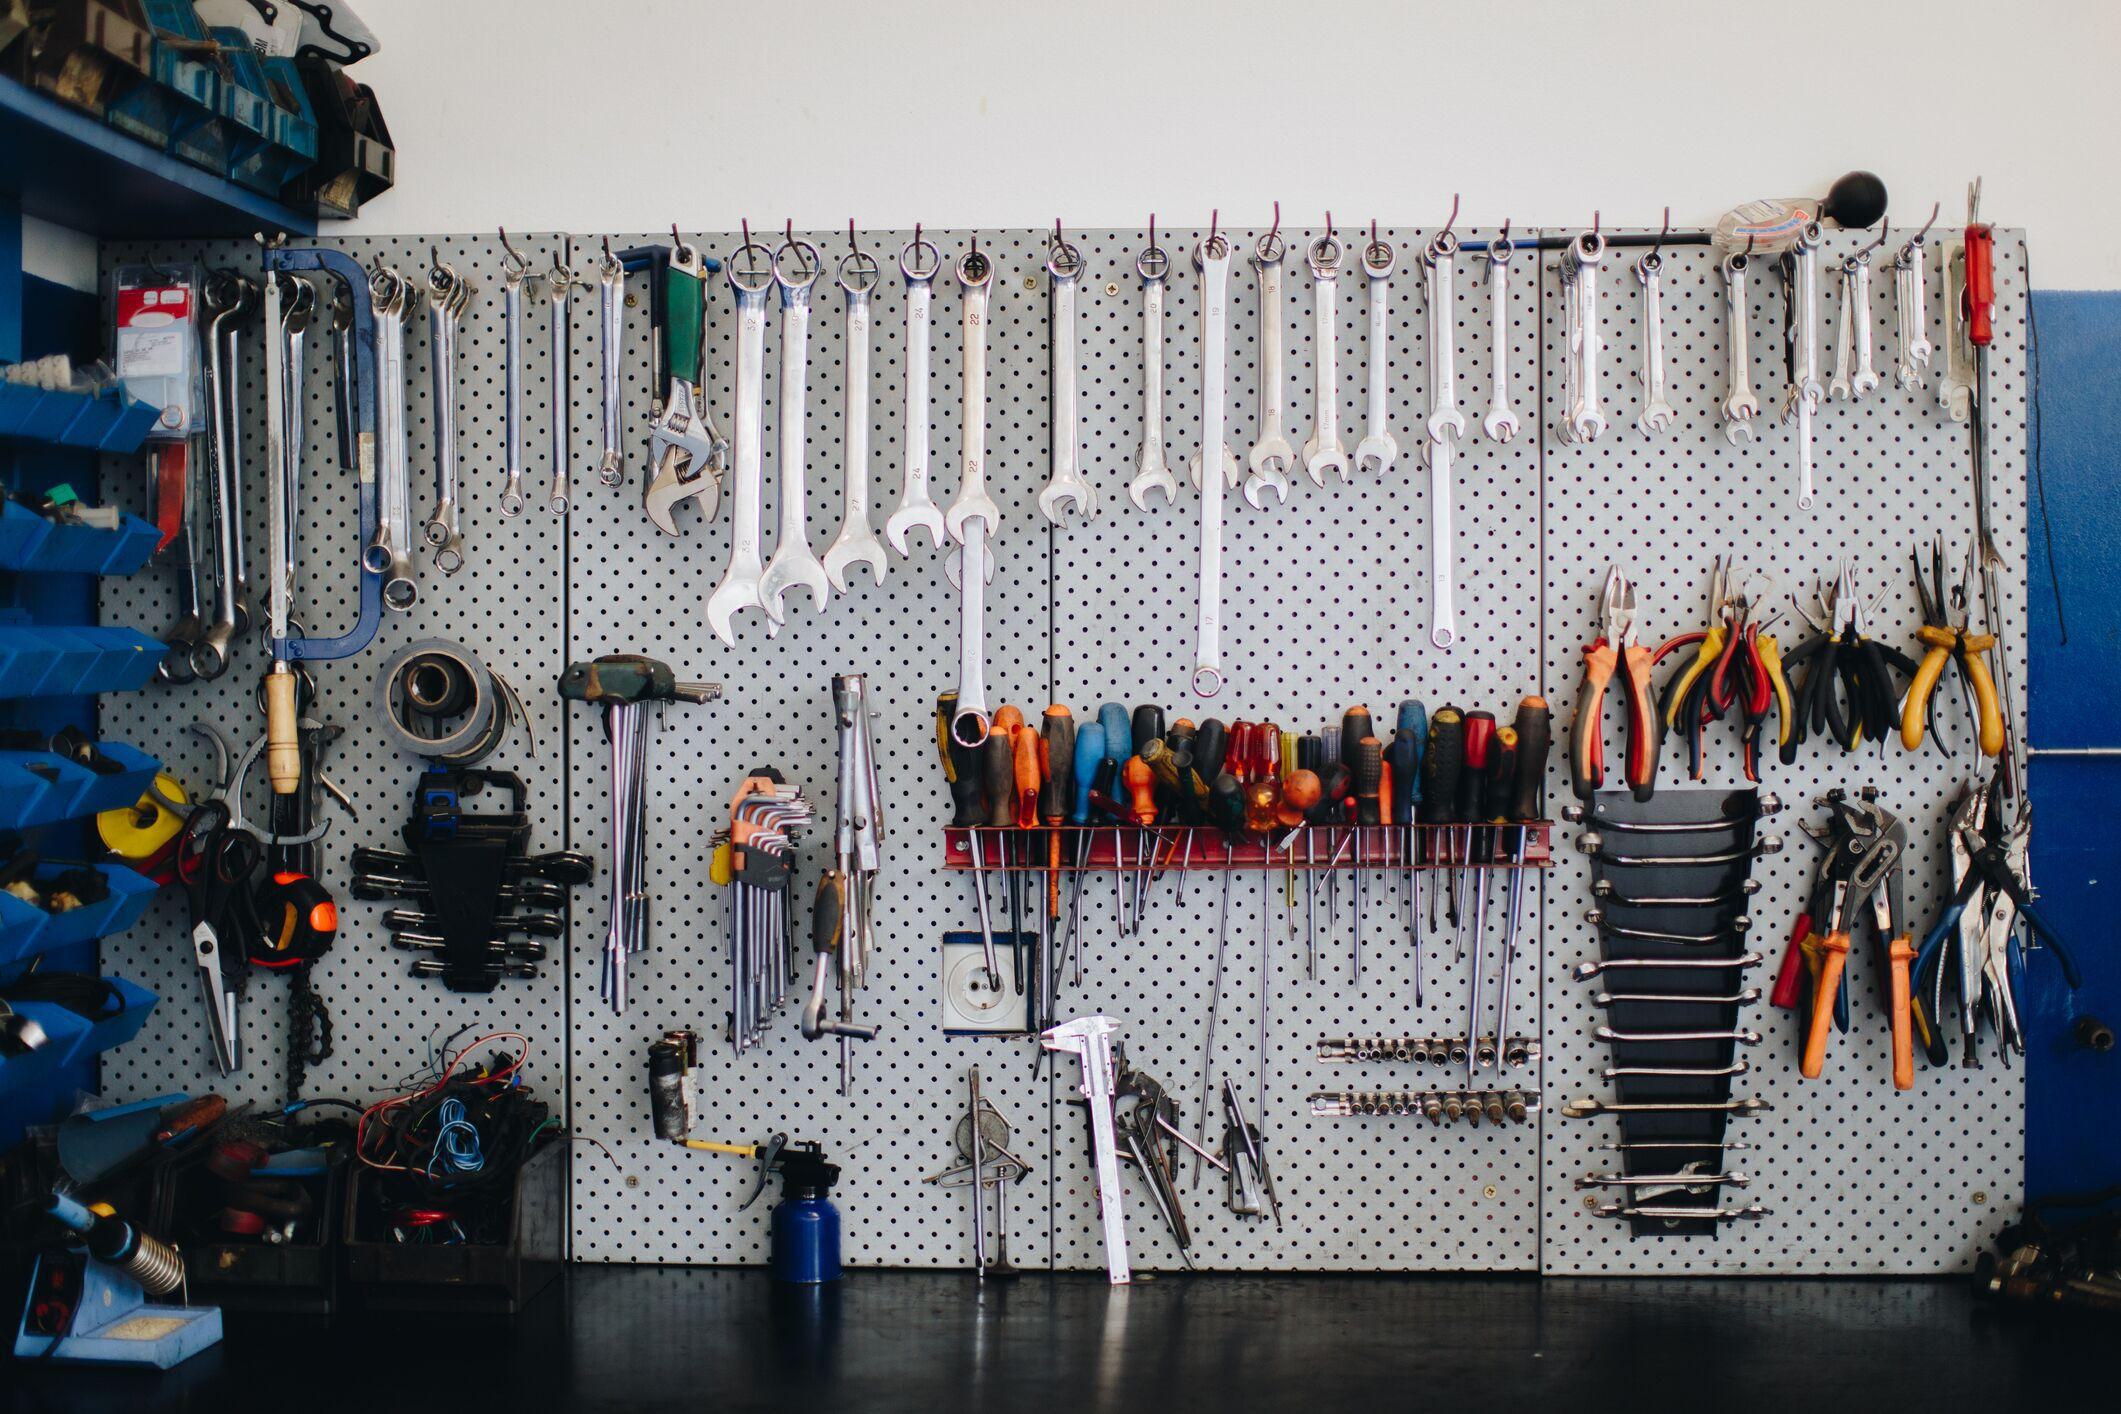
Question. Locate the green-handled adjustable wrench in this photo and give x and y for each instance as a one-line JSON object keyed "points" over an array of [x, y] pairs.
{"points": [[689, 452]]}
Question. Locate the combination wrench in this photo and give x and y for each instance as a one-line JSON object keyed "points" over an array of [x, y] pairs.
{"points": [[1216, 466], [1801, 399], [973, 516], [1740, 407], [793, 564], [226, 296], [1657, 414], [1065, 488], [611, 314], [1151, 471], [1323, 452], [856, 543], [389, 554], [447, 296], [1865, 380], [1501, 422], [1912, 306], [1579, 265], [1444, 424], [560, 286], [1271, 455], [740, 586], [1955, 390], [1377, 452], [515, 273], [918, 262]]}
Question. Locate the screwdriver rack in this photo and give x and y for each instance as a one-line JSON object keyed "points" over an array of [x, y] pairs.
{"points": [[1200, 849]]}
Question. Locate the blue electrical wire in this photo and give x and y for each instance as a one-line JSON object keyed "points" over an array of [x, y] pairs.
{"points": [[457, 1142]]}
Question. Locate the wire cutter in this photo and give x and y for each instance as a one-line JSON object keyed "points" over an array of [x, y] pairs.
{"points": [[215, 861], [1844, 651], [1864, 857], [1613, 651], [1950, 643], [1735, 663]]}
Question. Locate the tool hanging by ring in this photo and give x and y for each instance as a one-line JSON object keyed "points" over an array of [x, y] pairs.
{"points": [[436, 681]]}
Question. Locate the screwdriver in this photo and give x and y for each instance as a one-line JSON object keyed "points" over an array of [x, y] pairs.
{"points": [[1262, 817], [1310, 757], [1354, 726], [1498, 780], [1119, 738], [1167, 765], [1145, 726], [1059, 751], [1030, 781], [1008, 849], [1440, 767], [1285, 764], [1181, 740], [1409, 736], [1089, 755], [1226, 811], [961, 768], [1333, 784], [1299, 795], [1329, 754], [1479, 744], [1535, 733], [998, 765], [1368, 773]]}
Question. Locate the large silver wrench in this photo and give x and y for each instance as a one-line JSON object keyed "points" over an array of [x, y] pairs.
{"points": [[1657, 414], [1089, 1040], [225, 294], [1443, 614], [1439, 266], [1444, 425], [739, 588], [1323, 452], [1805, 393], [390, 553], [514, 274], [973, 516], [916, 508], [856, 543], [1586, 414], [1909, 269], [447, 295], [1377, 452], [1271, 455], [1501, 422], [1842, 383], [1212, 258], [1065, 487], [793, 563], [1866, 378], [1740, 407], [1151, 471], [560, 285], [611, 314]]}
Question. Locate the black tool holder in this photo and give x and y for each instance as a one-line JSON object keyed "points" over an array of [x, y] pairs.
{"points": [[1727, 924]]}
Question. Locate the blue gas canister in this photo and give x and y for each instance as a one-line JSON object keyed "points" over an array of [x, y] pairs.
{"points": [[806, 1227]]}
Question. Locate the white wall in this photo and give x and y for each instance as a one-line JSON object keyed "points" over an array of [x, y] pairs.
{"points": [[626, 115]]}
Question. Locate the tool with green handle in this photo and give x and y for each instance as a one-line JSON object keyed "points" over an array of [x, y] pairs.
{"points": [[689, 452]]}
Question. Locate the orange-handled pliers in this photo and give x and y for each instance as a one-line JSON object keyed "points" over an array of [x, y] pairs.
{"points": [[1615, 651]]}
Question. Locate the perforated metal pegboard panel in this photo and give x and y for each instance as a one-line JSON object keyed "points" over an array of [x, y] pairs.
{"points": [[1325, 603], [1856, 1177]]}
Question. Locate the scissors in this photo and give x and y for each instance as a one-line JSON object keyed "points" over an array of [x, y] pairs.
{"points": [[215, 862]]}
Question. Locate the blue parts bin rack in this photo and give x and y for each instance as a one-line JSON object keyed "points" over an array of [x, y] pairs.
{"points": [[31, 542], [93, 422]]}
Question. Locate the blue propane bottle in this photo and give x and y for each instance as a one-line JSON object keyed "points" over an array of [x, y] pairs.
{"points": [[806, 1227]]}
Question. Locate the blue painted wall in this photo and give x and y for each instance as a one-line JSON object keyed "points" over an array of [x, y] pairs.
{"points": [[2073, 1095]]}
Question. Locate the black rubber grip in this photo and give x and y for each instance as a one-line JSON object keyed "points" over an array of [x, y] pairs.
{"points": [[1473, 765], [1335, 783], [1369, 773], [1535, 740], [1310, 753], [1501, 776], [1211, 741], [1148, 726], [998, 760], [1058, 792], [1441, 766], [1226, 805], [1354, 726]]}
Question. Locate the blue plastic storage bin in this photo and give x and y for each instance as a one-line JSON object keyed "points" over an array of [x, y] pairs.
{"points": [[63, 1032], [21, 929], [122, 775], [29, 542], [122, 1026], [49, 661], [66, 785], [21, 789], [107, 422], [130, 893]]}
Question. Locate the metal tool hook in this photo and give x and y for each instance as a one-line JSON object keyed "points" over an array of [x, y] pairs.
{"points": [[1449, 222], [1657, 250]]}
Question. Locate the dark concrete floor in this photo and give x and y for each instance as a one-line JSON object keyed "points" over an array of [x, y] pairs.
{"points": [[643, 1339]]}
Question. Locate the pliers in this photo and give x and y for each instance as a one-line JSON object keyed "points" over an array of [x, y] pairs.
{"points": [[1735, 663], [1844, 651], [1862, 859], [1613, 651], [1947, 642]]}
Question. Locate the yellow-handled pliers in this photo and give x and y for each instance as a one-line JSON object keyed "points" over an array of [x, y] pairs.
{"points": [[1946, 642]]}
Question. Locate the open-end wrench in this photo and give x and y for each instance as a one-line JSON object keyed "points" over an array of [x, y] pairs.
{"points": [[1439, 267], [1801, 399], [1212, 258], [857, 543], [1841, 384], [1323, 452], [1501, 422], [560, 285], [1151, 471], [687, 450], [389, 554], [1586, 415], [1865, 379], [1657, 414], [1271, 455], [226, 295], [447, 296], [749, 280], [1955, 390], [1065, 489], [1740, 407], [973, 516], [918, 262], [611, 316], [515, 273], [1909, 268], [1377, 452], [796, 266]]}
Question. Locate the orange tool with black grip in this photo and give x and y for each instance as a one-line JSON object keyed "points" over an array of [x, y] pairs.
{"points": [[1615, 653], [1140, 783], [1025, 742]]}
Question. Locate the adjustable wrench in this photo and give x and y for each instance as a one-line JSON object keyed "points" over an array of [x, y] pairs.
{"points": [[560, 285], [1271, 455], [514, 274], [389, 554], [1089, 1040], [1151, 472], [611, 314], [1323, 451], [1586, 416], [973, 516], [1216, 466], [447, 296], [792, 563], [857, 543], [1740, 407], [739, 588], [1909, 267], [916, 509], [1065, 488], [1657, 414], [687, 449], [1377, 451], [1501, 422]]}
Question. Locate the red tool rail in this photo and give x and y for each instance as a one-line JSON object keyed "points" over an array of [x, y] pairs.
{"points": [[1383, 847]]}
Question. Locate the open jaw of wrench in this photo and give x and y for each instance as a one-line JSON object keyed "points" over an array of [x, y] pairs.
{"points": [[795, 270], [1377, 452], [1215, 468], [1657, 414], [1323, 452], [1740, 406], [1151, 471], [856, 543], [687, 451], [448, 294], [1065, 488], [973, 516], [740, 587], [514, 275], [1501, 421], [389, 552], [916, 509], [1583, 418], [1271, 455]]}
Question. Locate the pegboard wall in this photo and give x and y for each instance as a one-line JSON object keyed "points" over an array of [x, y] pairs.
{"points": [[1326, 603]]}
